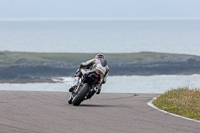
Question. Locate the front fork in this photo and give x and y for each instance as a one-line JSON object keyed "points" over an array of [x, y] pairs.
{"points": [[75, 92]]}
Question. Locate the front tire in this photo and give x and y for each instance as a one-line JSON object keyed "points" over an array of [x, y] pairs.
{"points": [[81, 95]]}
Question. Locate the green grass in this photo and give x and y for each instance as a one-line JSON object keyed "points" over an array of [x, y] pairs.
{"points": [[7, 57], [181, 101], [37, 58]]}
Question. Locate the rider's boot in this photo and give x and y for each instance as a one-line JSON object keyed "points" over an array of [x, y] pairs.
{"points": [[75, 83], [98, 89]]}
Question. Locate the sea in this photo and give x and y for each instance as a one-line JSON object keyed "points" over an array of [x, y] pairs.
{"points": [[105, 36]]}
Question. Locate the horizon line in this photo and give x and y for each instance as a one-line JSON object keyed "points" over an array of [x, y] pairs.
{"points": [[90, 19]]}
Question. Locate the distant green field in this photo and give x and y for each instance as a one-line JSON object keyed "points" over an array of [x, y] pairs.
{"points": [[10, 57]]}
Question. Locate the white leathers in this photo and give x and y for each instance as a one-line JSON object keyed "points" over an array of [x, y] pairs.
{"points": [[97, 64], [100, 66]]}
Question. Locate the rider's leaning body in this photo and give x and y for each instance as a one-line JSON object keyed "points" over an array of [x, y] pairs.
{"points": [[98, 64]]}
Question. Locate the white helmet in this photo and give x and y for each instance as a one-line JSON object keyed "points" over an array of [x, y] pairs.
{"points": [[99, 56], [101, 59]]}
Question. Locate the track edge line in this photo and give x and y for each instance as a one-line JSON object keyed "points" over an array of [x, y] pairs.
{"points": [[150, 103]]}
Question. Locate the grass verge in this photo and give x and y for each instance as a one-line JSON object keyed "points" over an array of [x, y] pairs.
{"points": [[9, 58], [181, 101]]}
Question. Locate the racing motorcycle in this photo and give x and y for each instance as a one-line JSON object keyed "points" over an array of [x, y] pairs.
{"points": [[86, 87]]}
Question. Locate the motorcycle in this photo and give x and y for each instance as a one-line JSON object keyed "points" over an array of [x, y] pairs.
{"points": [[86, 87]]}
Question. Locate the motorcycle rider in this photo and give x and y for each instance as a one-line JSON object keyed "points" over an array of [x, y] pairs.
{"points": [[98, 64]]}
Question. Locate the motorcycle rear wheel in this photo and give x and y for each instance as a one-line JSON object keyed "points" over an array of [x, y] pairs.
{"points": [[81, 95]]}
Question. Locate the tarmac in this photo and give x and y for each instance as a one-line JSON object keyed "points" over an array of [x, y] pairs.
{"points": [[49, 112]]}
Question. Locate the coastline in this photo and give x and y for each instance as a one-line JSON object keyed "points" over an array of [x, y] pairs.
{"points": [[61, 79], [23, 67], [26, 81]]}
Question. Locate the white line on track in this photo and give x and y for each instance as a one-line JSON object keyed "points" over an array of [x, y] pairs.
{"points": [[153, 106]]}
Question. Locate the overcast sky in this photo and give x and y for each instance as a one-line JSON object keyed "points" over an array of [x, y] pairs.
{"points": [[98, 9]]}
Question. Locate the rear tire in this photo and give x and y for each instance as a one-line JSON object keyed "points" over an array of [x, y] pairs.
{"points": [[81, 95]]}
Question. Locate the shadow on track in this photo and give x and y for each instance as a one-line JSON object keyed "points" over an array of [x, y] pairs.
{"points": [[96, 105]]}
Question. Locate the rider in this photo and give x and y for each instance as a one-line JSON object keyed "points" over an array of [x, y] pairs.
{"points": [[98, 64]]}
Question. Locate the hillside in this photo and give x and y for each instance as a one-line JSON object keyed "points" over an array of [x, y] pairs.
{"points": [[40, 67]]}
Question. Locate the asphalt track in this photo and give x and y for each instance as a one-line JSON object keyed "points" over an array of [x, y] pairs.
{"points": [[49, 112]]}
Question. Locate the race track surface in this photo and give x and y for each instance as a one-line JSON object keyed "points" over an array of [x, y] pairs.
{"points": [[49, 112]]}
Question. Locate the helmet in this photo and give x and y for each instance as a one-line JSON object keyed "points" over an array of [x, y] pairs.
{"points": [[100, 56]]}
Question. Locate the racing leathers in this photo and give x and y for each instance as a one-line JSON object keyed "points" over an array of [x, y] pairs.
{"points": [[99, 65]]}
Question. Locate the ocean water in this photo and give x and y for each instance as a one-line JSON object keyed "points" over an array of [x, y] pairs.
{"points": [[118, 84], [169, 36], [172, 36]]}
